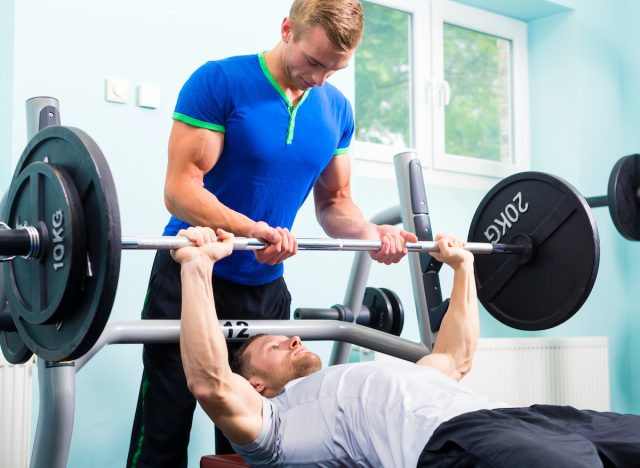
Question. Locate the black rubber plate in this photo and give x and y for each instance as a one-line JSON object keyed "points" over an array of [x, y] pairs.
{"points": [[624, 196], [76, 330], [546, 289]]}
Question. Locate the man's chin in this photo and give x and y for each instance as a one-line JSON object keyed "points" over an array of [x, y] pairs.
{"points": [[307, 363], [304, 86]]}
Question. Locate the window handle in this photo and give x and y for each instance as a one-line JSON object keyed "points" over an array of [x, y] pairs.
{"points": [[445, 93], [428, 92]]}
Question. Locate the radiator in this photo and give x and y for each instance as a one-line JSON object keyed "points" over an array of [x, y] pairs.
{"points": [[15, 413], [557, 371], [525, 371]]}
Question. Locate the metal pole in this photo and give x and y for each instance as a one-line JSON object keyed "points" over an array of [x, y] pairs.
{"points": [[358, 283], [42, 111], [245, 243], [168, 331], [597, 202], [415, 218], [56, 380], [57, 384]]}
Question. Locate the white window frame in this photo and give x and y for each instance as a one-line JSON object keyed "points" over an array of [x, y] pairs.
{"points": [[427, 85], [497, 25]]}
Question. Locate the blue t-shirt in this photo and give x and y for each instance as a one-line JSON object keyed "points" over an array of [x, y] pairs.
{"points": [[273, 152]]}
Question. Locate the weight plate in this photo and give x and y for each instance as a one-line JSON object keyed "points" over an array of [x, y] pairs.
{"points": [[14, 350], [379, 309], [624, 196], [71, 150], [397, 311], [546, 289], [44, 288]]}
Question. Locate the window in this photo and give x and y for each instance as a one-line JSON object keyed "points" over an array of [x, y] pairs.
{"points": [[383, 78], [478, 119], [446, 80]]}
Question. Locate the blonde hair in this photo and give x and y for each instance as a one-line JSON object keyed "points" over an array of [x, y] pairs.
{"points": [[342, 20]]}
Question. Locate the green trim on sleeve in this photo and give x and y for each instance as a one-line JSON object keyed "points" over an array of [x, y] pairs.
{"points": [[340, 151], [198, 123]]}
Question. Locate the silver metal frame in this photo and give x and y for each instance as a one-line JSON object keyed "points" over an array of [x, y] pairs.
{"points": [[401, 164]]}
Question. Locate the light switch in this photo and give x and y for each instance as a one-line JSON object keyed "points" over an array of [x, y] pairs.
{"points": [[149, 96], [117, 90]]}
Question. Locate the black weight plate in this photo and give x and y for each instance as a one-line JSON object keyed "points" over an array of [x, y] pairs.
{"points": [[624, 196], [397, 311], [546, 289], [380, 310], [44, 288], [73, 151], [13, 348]]}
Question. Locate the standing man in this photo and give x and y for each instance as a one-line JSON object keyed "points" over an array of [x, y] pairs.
{"points": [[252, 135]]}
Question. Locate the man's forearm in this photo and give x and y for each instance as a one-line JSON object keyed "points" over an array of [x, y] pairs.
{"points": [[202, 344], [343, 218], [194, 204], [460, 328]]}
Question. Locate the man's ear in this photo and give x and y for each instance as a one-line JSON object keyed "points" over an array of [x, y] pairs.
{"points": [[258, 384], [286, 33]]}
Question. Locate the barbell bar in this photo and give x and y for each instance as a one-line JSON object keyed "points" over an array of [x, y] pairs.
{"points": [[248, 243], [27, 242]]}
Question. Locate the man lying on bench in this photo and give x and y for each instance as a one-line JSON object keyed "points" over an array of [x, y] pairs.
{"points": [[279, 407]]}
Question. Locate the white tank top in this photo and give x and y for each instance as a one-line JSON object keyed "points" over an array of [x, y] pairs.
{"points": [[366, 414]]}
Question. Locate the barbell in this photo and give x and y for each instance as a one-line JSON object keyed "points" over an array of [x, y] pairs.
{"points": [[63, 249]]}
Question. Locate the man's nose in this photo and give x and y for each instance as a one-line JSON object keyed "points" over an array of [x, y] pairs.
{"points": [[320, 77], [295, 342]]}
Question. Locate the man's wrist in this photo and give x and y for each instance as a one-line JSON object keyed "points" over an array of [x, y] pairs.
{"points": [[465, 265], [197, 262]]}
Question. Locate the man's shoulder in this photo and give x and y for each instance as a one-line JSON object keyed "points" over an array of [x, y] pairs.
{"points": [[331, 92], [231, 63], [330, 96]]}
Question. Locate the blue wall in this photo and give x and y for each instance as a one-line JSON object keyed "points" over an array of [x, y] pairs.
{"points": [[630, 253], [6, 91], [583, 80], [582, 99]]}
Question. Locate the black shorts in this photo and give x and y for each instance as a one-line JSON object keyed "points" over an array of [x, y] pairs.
{"points": [[270, 301], [542, 436]]}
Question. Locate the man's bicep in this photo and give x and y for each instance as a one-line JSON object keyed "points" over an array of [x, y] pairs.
{"points": [[193, 148], [334, 180]]}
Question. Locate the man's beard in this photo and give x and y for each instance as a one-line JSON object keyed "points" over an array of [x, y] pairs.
{"points": [[306, 364]]}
